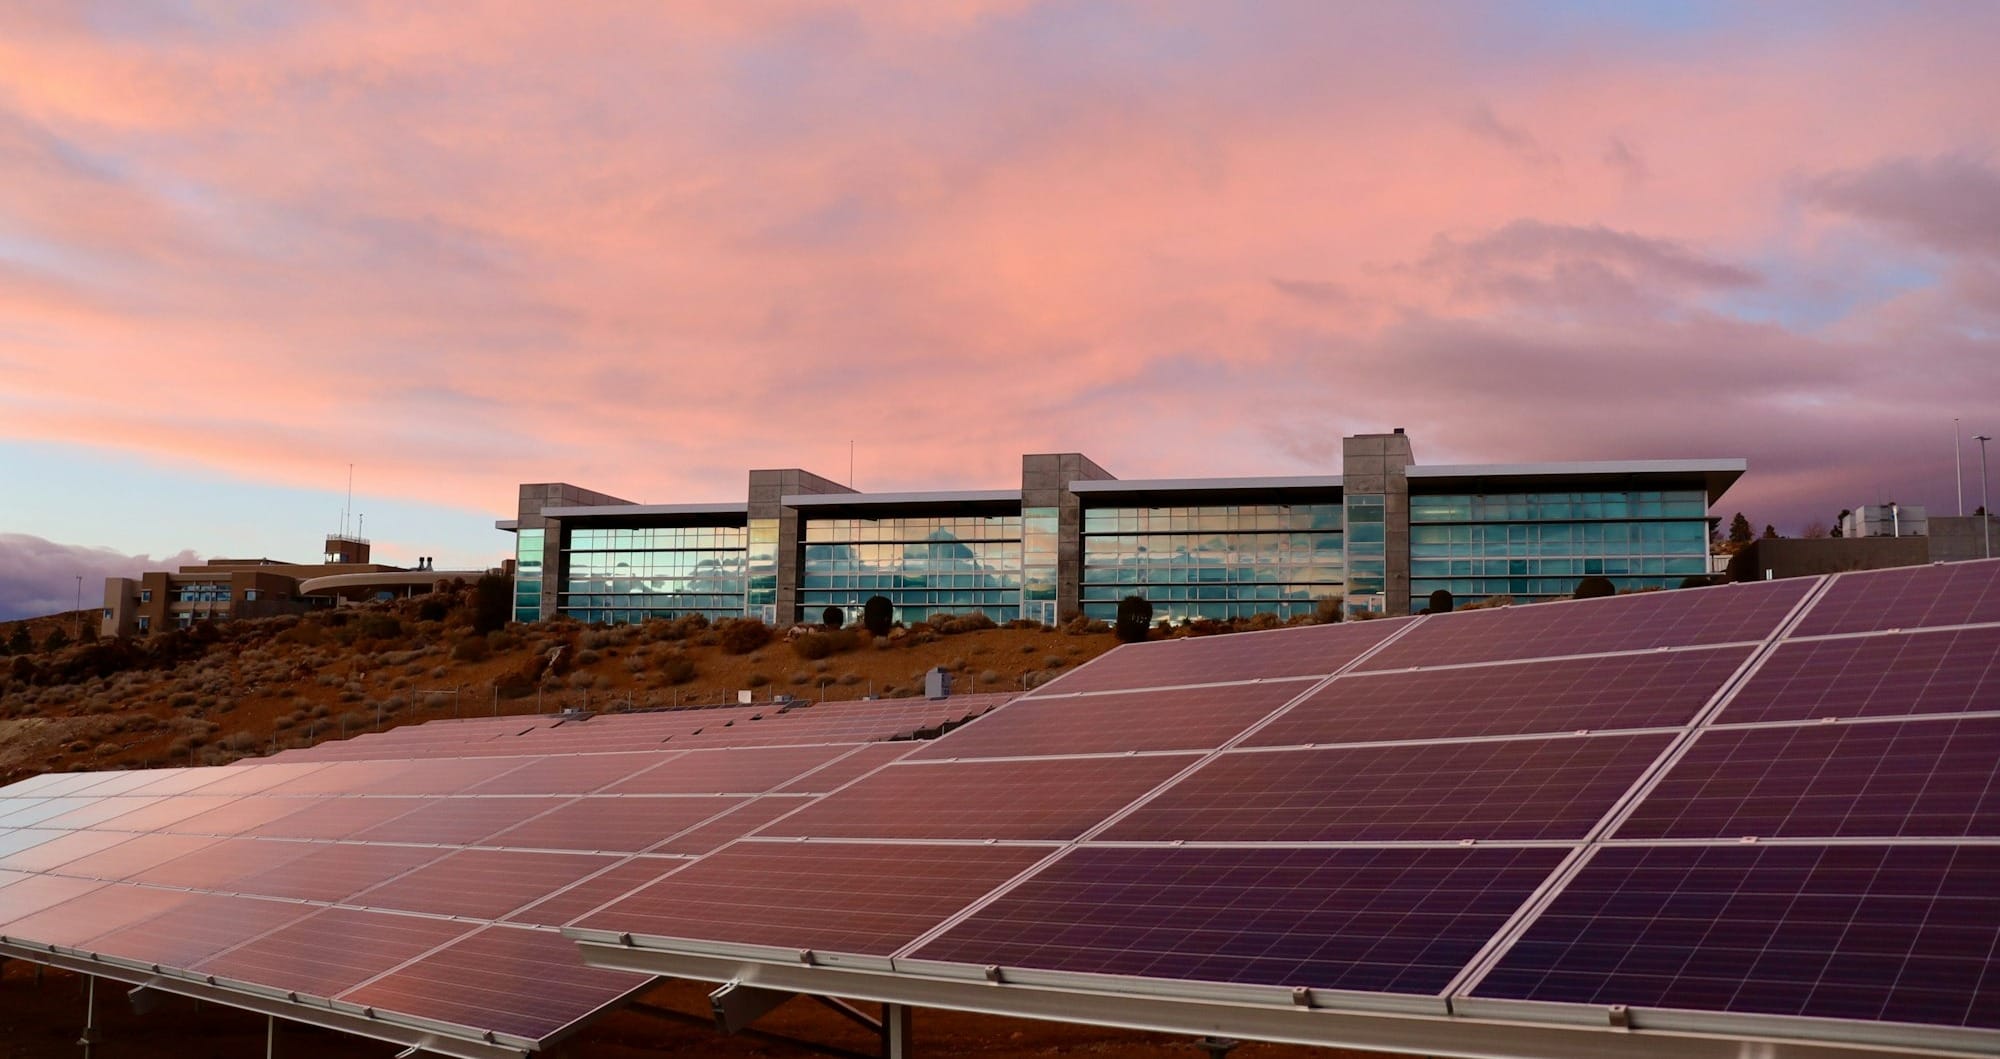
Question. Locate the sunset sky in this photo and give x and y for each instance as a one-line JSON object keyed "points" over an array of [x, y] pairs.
{"points": [[644, 247]]}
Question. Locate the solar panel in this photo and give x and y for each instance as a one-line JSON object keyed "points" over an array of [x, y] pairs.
{"points": [[849, 767], [732, 825], [843, 897], [482, 883], [224, 864], [1311, 650], [137, 854], [570, 774], [1644, 621], [1890, 675], [1390, 920], [600, 889], [196, 928], [1896, 933], [333, 950], [336, 873], [1044, 799], [459, 821], [1522, 789], [1936, 778], [93, 913], [744, 771], [1907, 598], [1653, 689], [612, 825], [66, 846], [529, 984], [1200, 718]]}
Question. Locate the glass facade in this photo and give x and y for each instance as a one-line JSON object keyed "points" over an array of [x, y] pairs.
{"points": [[202, 592], [1537, 545], [1224, 561], [1367, 557], [528, 574], [1040, 527], [630, 575], [763, 585], [925, 566]]}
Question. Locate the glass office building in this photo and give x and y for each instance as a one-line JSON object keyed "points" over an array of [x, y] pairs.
{"points": [[1382, 536]]}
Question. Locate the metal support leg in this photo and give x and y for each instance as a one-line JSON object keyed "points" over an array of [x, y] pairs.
{"points": [[1217, 1047], [897, 1032], [270, 1037], [90, 1032]]}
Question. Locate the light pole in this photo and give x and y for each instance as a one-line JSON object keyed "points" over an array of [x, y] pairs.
{"points": [[1985, 505], [78, 623]]}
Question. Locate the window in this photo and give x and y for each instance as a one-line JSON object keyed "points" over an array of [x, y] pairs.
{"points": [[145, 623], [249, 595], [107, 614], [145, 595]]}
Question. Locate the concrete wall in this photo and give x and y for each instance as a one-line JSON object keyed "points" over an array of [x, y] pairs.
{"points": [[768, 488], [1376, 463], [1045, 479], [1826, 555], [1956, 538]]}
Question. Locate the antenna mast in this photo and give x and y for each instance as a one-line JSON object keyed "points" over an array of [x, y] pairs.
{"points": [[349, 505]]}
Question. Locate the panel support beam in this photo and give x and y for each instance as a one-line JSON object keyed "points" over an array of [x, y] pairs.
{"points": [[416, 1038], [1564, 1034], [736, 1005], [897, 1032], [91, 1034]]}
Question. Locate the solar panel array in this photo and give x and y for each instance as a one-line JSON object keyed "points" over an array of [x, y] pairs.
{"points": [[417, 877], [1761, 799], [1770, 799]]}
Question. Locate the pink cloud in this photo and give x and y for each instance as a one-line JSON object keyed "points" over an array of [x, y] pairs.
{"points": [[647, 250]]}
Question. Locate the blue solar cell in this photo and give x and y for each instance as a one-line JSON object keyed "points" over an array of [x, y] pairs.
{"points": [[1894, 933], [1489, 789], [1907, 597], [1892, 675], [1653, 689], [1932, 778], [1640, 622], [1394, 920]]}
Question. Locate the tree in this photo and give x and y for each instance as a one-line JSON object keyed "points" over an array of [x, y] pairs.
{"points": [[1839, 521], [833, 617], [56, 640], [1441, 602], [22, 641], [1739, 532], [1815, 530], [878, 613], [1770, 532], [492, 602], [1135, 616], [1595, 588]]}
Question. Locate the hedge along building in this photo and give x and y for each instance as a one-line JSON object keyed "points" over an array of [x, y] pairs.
{"points": [[1073, 539]]}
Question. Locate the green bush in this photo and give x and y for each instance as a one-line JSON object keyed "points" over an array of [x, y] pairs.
{"points": [[878, 614], [1135, 617]]}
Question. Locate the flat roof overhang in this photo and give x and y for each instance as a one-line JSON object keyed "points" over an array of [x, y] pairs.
{"points": [[1169, 492], [385, 579], [1716, 476], [643, 516], [934, 502]]}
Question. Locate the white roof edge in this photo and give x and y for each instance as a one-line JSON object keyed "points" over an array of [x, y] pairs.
{"points": [[1141, 485], [1494, 470], [645, 509], [938, 496]]}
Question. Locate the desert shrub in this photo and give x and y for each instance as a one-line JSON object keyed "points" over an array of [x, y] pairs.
{"points": [[598, 639], [1082, 625], [471, 649], [502, 640], [877, 614], [1135, 614], [676, 670], [955, 624], [883, 643], [56, 640], [1329, 609], [988, 676], [492, 602], [381, 627], [833, 617], [1440, 602], [740, 636], [756, 680], [1595, 588], [850, 679], [800, 677], [1263, 619], [813, 645], [434, 608], [588, 658], [1053, 662]]}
